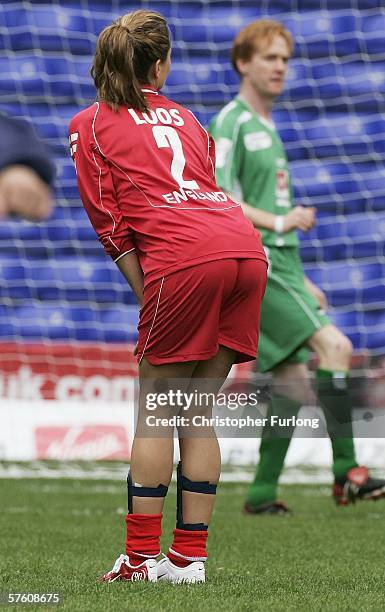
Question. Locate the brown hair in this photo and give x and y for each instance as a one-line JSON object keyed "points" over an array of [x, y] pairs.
{"points": [[256, 37], [125, 52]]}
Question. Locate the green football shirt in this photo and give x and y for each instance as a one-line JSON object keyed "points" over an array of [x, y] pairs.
{"points": [[252, 164]]}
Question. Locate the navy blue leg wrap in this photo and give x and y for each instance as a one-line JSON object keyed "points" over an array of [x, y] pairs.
{"points": [[136, 490], [185, 484]]}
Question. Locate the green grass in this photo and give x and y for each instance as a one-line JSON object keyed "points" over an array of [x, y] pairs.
{"points": [[59, 535]]}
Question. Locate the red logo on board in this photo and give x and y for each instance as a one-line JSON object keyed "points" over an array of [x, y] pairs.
{"points": [[89, 442]]}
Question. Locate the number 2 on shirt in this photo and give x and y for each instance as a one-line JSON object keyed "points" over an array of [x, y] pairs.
{"points": [[166, 136]]}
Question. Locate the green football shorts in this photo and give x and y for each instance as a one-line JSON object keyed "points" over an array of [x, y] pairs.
{"points": [[289, 315]]}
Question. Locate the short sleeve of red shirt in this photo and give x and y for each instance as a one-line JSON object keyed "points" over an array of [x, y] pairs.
{"points": [[97, 192]]}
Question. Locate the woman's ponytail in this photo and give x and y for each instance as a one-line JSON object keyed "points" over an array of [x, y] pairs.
{"points": [[125, 52]]}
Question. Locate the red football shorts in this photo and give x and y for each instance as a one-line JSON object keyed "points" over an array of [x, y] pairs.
{"points": [[187, 315]]}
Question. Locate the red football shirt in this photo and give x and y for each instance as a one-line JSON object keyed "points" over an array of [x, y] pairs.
{"points": [[147, 182]]}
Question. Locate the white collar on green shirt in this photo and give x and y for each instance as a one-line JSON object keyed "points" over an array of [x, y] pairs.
{"points": [[269, 124]]}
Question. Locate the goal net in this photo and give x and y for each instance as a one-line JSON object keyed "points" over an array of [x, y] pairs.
{"points": [[66, 314]]}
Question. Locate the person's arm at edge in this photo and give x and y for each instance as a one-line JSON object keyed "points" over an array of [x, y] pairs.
{"points": [[22, 147], [26, 172]]}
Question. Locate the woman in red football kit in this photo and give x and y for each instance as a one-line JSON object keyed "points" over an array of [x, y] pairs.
{"points": [[145, 169]]}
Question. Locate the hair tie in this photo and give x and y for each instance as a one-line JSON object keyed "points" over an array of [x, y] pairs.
{"points": [[128, 32]]}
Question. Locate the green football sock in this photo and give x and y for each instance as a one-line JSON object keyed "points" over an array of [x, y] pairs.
{"points": [[273, 451], [333, 394]]}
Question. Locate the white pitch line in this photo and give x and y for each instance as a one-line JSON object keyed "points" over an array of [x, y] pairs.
{"points": [[118, 473]]}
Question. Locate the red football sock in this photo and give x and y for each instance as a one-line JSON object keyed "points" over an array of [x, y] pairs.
{"points": [[143, 535], [187, 547]]}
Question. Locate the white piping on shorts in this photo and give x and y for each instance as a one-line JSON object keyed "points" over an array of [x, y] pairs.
{"points": [[297, 298], [153, 321]]}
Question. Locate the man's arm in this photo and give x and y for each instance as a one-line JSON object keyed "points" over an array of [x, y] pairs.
{"points": [[298, 218], [317, 293], [226, 172]]}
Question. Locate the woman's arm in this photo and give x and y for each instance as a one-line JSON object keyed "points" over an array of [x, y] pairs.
{"points": [[129, 266], [97, 191]]}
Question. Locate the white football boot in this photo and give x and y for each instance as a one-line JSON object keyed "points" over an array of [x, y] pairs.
{"points": [[166, 570]]}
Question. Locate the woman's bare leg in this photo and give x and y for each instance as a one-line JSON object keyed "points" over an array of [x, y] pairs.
{"points": [[199, 448], [152, 455]]}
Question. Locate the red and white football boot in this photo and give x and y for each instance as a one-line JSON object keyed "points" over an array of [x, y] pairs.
{"points": [[123, 570]]}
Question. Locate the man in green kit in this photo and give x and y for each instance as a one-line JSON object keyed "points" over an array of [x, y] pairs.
{"points": [[252, 166]]}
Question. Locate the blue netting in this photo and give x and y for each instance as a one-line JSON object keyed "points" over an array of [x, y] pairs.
{"points": [[58, 282]]}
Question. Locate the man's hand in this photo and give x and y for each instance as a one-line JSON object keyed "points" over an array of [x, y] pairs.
{"points": [[317, 293], [24, 194], [300, 218]]}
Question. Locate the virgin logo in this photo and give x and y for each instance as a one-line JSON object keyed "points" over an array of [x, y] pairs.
{"points": [[138, 575], [82, 442]]}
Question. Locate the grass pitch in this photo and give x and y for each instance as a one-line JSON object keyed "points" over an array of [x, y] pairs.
{"points": [[58, 535]]}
